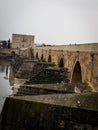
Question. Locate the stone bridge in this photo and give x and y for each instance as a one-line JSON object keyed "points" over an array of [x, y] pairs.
{"points": [[81, 60]]}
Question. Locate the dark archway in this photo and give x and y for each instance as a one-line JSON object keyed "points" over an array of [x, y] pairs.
{"points": [[42, 57], [13, 53], [36, 55], [77, 75], [49, 58], [61, 63]]}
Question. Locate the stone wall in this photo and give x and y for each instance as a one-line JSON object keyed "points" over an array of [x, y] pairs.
{"points": [[60, 112]]}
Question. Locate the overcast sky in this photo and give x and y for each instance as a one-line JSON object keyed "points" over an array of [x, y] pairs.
{"points": [[51, 21]]}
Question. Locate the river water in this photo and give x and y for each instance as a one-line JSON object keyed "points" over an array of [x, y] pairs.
{"points": [[6, 83]]}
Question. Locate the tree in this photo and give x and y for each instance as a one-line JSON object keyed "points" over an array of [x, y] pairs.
{"points": [[4, 44], [9, 43]]}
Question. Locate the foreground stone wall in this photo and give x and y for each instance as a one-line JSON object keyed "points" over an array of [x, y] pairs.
{"points": [[60, 111]]}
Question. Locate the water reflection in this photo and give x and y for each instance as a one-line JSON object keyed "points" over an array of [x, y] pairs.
{"points": [[5, 82]]}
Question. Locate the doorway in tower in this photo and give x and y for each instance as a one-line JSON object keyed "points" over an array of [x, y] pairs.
{"points": [[77, 75]]}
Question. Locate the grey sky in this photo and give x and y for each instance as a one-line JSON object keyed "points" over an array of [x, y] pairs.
{"points": [[51, 21]]}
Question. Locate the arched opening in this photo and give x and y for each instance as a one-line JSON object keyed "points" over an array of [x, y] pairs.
{"points": [[77, 75], [42, 57], [36, 55], [61, 63], [12, 53], [49, 58]]}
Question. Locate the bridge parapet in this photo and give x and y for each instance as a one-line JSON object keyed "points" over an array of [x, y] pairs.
{"points": [[93, 47]]}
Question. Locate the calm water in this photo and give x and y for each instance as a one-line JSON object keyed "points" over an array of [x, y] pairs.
{"points": [[5, 84]]}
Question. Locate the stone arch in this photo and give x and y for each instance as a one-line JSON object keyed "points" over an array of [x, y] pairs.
{"points": [[77, 73], [49, 58], [13, 53], [61, 62], [36, 55], [42, 57]]}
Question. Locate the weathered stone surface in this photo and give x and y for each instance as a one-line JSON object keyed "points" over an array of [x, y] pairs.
{"points": [[25, 70], [51, 112], [48, 75], [87, 100]]}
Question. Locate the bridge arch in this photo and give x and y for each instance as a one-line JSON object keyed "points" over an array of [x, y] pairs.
{"points": [[77, 73], [49, 58], [13, 52], [37, 57], [42, 57], [61, 62]]}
